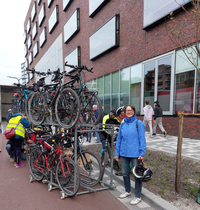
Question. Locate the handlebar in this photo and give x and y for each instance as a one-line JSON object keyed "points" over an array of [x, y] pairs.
{"points": [[79, 68]]}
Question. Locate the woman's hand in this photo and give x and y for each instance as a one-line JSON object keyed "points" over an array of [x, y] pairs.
{"points": [[140, 158], [117, 158]]}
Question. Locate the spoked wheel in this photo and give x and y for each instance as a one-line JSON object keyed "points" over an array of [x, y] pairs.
{"points": [[34, 162], [67, 108], [89, 168], [22, 105], [67, 175], [87, 115], [37, 108], [26, 107]]}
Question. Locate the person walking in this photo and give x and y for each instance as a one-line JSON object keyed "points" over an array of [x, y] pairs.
{"points": [[131, 147], [158, 118], [96, 113], [19, 122], [148, 113]]}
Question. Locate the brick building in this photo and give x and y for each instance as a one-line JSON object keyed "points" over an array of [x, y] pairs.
{"points": [[126, 43]]}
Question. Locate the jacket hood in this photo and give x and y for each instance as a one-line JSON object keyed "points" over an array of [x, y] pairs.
{"points": [[147, 107], [131, 119]]}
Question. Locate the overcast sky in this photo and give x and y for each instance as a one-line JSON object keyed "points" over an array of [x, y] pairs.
{"points": [[12, 17]]}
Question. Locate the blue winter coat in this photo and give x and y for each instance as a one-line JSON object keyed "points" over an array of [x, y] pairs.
{"points": [[130, 142]]}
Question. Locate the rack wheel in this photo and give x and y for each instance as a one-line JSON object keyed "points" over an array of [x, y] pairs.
{"points": [[49, 187], [30, 178], [62, 195]]}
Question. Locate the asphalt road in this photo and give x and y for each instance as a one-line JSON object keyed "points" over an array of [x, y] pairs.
{"points": [[16, 192]]}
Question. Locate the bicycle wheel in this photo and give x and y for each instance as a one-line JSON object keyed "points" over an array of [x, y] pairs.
{"points": [[26, 108], [87, 101], [36, 108], [69, 182], [67, 108], [37, 160], [89, 168], [15, 105], [22, 105]]}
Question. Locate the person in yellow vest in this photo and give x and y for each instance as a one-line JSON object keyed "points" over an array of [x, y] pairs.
{"points": [[19, 135]]}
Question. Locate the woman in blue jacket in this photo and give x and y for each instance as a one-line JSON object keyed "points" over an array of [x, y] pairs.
{"points": [[131, 147]]}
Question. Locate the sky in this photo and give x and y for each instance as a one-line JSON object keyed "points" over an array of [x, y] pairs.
{"points": [[12, 17]]}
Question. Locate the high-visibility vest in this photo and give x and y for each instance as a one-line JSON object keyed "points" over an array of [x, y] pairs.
{"points": [[19, 129]]}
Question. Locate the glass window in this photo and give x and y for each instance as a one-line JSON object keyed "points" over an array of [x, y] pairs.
{"points": [[30, 58], [95, 6], [34, 30], [25, 36], [107, 93], [155, 10], [35, 49], [73, 58], [105, 38], [43, 37], [135, 86], [66, 4], [124, 86], [53, 20], [29, 42], [100, 89], [50, 2], [164, 82], [28, 27], [33, 11], [115, 89], [92, 85], [25, 50], [72, 26], [157, 82], [41, 15]]}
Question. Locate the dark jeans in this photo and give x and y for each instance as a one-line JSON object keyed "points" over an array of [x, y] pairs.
{"points": [[17, 144], [10, 151], [125, 161]]}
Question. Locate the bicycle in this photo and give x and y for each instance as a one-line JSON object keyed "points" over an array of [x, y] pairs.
{"points": [[64, 103], [63, 169], [87, 98]]}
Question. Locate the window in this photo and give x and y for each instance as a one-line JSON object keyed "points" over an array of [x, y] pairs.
{"points": [[107, 93], [115, 89], [105, 38], [28, 27], [35, 49], [43, 37], [66, 4], [29, 42], [100, 88], [73, 59], [53, 20], [124, 86], [155, 10], [25, 36], [25, 50], [157, 82], [34, 30], [95, 6], [41, 15], [33, 12], [30, 58], [72, 26], [50, 2], [135, 86]]}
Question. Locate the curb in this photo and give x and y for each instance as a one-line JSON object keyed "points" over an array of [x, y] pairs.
{"points": [[148, 197]]}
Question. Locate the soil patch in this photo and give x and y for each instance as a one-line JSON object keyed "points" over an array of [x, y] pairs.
{"points": [[163, 166]]}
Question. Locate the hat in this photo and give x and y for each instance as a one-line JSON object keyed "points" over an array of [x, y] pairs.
{"points": [[156, 102], [113, 111]]}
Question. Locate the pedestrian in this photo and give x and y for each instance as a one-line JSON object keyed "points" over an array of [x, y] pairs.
{"points": [[158, 118], [148, 114], [108, 119], [19, 122], [96, 113], [131, 147], [120, 113]]}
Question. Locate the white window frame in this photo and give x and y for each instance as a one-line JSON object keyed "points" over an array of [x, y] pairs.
{"points": [[172, 54]]}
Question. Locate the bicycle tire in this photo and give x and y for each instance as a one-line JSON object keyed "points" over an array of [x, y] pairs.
{"points": [[15, 105], [69, 183], [67, 108], [26, 108], [37, 173], [103, 163], [87, 102], [36, 108], [90, 172], [22, 104]]}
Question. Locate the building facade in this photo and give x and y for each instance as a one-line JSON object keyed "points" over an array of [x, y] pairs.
{"points": [[126, 43]]}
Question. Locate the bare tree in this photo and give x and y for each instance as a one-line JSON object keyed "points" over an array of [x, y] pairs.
{"points": [[184, 31]]}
